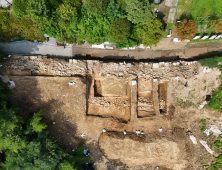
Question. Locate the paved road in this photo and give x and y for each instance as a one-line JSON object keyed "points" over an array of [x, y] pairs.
{"points": [[26, 48]]}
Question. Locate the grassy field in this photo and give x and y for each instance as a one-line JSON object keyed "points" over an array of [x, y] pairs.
{"points": [[202, 12], [199, 8]]}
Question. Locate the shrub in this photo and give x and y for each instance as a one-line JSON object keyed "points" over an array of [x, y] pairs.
{"points": [[20, 7], [96, 7], [186, 30], [217, 25], [140, 12], [131, 41], [151, 32], [119, 30]]}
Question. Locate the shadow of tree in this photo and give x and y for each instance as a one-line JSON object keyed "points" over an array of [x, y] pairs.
{"points": [[28, 95], [186, 16]]}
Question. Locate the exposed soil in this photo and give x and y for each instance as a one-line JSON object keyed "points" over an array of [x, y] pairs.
{"points": [[103, 96]]}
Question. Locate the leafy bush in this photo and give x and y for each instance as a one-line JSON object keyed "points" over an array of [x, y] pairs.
{"points": [[96, 7], [186, 30], [13, 27], [20, 7], [113, 11], [95, 29], [151, 32], [68, 20], [140, 11], [119, 30], [131, 41], [36, 124]]}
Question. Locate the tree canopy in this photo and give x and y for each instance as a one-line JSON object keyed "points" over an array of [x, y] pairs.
{"points": [[96, 7], [72, 21], [186, 29], [119, 30], [151, 32], [20, 7], [140, 11]]}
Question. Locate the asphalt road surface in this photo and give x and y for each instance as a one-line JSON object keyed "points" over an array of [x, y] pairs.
{"points": [[26, 48]]}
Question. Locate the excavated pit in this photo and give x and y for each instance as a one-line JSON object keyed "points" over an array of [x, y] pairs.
{"points": [[132, 150], [109, 98], [145, 106], [162, 88]]}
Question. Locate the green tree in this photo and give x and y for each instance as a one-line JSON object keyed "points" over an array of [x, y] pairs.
{"points": [[9, 140], [113, 11], [38, 10], [95, 29], [151, 32], [186, 30], [54, 4], [37, 125], [140, 11], [67, 12], [20, 7], [131, 41], [96, 7], [67, 15], [122, 4], [119, 30], [13, 27]]}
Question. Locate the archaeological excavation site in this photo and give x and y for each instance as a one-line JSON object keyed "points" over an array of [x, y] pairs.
{"points": [[130, 115]]}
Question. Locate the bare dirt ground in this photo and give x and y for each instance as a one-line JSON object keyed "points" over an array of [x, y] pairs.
{"points": [[106, 91], [168, 44]]}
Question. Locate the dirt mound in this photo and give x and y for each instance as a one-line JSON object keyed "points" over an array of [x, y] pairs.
{"points": [[134, 150]]}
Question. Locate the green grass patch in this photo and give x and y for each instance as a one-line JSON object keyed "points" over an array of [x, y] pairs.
{"points": [[216, 100], [218, 144], [218, 164], [203, 8], [199, 8], [203, 125], [207, 40], [202, 12]]}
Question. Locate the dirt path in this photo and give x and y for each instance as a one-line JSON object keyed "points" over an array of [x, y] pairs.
{"points": [[177, 50]]}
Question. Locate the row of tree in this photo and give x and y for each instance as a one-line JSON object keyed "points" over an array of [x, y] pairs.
{"points": [[26, 145], [125, 23], [186, 29]]}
